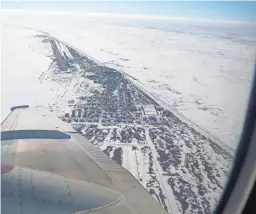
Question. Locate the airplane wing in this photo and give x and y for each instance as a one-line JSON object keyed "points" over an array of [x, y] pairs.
{"points": [[47, 167]]}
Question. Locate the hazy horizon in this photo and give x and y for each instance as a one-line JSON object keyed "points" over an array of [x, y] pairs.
{"points": [[217, 11]]}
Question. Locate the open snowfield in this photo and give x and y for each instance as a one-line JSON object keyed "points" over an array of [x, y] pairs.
{"points": [[201, 69], [21, 67]]}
